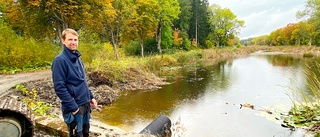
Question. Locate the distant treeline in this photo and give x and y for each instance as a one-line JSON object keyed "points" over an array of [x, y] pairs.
{"points": [[156, 25], [305, 32]]}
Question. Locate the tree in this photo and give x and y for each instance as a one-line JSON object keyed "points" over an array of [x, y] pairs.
{"points": [[170, 10], [183, 23], [199, 22], [223, 24], [116, 23], [142, 23], [299, 33], [39, 16], [312, 14], [287, 33]]}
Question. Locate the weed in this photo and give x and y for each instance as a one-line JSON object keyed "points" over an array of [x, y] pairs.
{"points": [[31, 100]]}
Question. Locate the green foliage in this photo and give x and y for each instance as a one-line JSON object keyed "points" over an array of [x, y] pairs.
{"points": [[130, 68], [224, 25], [132, 49], [167, 38], [20, 54], [239, 45], [115, 70], [303, 116], [186, 44], [183, 23], [192, 56], [150, 47], [155, 63], [89, 51], [31, 100], [199, 24]]}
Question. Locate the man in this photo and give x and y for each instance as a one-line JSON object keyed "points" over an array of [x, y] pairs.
{"points": [[71, 86]]}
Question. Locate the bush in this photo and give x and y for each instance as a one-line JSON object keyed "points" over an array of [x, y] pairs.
{"points": [[189, 57], [308, 54], [89, 51], [154, 63], [150, 47], [18, 53], [239, 45], [133, 49]]}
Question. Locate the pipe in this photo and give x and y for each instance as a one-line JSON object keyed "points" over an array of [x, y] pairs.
{"points": [[159, 127]]}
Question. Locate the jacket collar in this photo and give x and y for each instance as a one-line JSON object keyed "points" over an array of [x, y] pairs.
{"points": [[73, 56]]}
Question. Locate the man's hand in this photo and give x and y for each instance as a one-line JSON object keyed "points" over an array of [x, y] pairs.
{"points": [[93, 103], [73, 113]]}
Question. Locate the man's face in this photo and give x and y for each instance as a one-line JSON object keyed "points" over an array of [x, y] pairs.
{"points": [[71, 41]]}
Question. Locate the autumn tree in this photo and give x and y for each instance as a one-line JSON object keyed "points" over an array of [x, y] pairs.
{"points": [[142, 23], [312, 15], [223, 24], [299, 33], [261, 40], [37, 17]]}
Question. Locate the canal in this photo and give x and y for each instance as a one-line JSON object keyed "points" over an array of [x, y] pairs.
{"points": [[206, 101]]}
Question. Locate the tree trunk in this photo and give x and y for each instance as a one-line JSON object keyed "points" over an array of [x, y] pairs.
{"points": [[310, 41], [141, 44], [196, 30], [158, 36], [114, 45]]}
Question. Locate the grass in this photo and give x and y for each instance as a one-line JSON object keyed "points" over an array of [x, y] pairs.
{"points": [[306, 114]]}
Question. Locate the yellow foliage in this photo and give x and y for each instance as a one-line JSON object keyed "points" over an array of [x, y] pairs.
{"points": [[176, 40], [194, 43]]}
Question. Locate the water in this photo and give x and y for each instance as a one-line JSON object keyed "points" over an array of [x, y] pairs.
{"points": [[207, 99]]}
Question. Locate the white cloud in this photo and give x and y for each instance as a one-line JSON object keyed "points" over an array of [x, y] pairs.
{"points": [[262, 16]]}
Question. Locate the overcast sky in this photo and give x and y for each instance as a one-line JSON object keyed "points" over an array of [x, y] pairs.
{"points": [[262, 16]]}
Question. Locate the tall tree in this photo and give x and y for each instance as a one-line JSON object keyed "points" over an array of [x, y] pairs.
{"points": [[299, 33], [199, 21], [183, 23], [224, 24], [142, 23], [312, 14], [170, 10], [41, 16], [50, 17], [116, 23]]}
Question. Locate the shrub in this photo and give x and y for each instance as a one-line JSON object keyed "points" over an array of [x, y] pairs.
{"points": [[18, 52], [133, 49], [189, 57], [308, 54]]}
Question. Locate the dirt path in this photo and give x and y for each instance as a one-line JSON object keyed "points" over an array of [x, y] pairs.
{"points": [[7, 81]]}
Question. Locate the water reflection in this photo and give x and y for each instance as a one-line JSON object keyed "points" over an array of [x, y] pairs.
{"points": [[207, 99]]}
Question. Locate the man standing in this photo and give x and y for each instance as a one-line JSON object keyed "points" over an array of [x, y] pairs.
{"points": [[71, 86]]}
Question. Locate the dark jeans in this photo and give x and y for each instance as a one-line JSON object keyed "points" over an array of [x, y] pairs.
{"points": [[78, 124]]}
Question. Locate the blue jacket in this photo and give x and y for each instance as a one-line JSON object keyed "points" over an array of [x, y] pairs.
{"points": [[69, 80]]}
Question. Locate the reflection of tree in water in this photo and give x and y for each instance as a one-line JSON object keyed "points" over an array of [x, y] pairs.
{"points": [[189, 85], [284, 60], [201, 79]]}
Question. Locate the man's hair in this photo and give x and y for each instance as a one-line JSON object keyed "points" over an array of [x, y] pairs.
{"points": [[72, 31]]}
